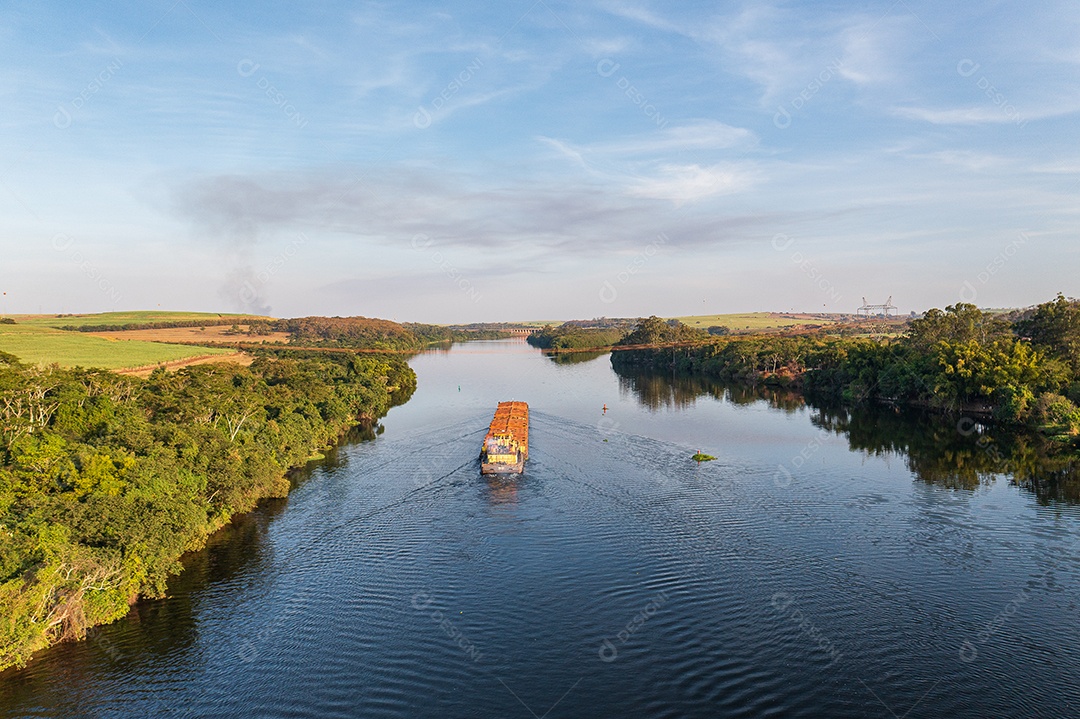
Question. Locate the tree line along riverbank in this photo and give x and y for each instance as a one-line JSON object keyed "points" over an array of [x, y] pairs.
{"points": [[1022, 369], [572, 336], [107, 480], [949, 452]]}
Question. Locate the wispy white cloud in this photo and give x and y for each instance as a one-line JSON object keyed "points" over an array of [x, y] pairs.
{"points": [[642, 164], [875, 48], [682, 184], [607, 46], [967, 159], [567, 151], [696, 135], [782, 49], [971, 115], [641, 14], [1059, 167]]}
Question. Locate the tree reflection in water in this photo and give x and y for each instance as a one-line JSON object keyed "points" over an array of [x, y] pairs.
{"points": [[576, 357], [665, 391], [946, 450]]}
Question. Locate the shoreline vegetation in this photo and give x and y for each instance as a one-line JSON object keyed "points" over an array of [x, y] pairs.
{"points": [[597, 335], [963, 454], [1021, 369], [107, 480]]}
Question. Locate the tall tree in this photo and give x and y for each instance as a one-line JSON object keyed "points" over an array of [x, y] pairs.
{"points": [[1055, 326]]}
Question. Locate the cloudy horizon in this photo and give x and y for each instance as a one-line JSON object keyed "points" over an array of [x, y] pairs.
{"points": [[449, 162]]}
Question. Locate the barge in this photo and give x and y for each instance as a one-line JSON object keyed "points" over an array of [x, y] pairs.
{"points": [[506, 446]]}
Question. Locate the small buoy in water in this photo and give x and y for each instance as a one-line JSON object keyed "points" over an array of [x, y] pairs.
{"points": [[605, 409]]}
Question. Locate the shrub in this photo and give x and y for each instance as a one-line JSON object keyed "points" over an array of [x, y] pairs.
{"points": [[1013, 404], [1055, 414]]}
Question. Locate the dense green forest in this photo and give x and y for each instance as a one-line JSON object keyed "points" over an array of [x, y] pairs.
{"points": [[368, 333], [1023, 370], [436, 334], [572, 336], [105, 481], [350, 332]]}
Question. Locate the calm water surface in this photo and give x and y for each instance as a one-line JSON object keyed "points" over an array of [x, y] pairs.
{"points": [[824, 565]]}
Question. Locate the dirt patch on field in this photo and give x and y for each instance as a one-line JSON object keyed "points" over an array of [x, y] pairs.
{"points": [[239, 358], [194, 335]]}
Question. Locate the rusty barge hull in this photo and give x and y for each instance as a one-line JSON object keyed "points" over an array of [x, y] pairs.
{"points": [[506, 445]]}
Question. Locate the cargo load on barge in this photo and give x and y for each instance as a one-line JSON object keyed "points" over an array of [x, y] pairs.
{"points": [[506, 446]]}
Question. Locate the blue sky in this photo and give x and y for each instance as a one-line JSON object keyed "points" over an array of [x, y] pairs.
{"points": [[452, 161]]}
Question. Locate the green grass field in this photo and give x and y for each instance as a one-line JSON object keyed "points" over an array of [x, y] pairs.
{"points": [[540, 323], [120, 318], [44, 345], [750, 321], [735, 321]]}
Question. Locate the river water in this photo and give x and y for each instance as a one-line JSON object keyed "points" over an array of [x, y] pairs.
{"points": [[826, 564]]}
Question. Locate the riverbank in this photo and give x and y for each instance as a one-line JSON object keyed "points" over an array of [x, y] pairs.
{"points": [[394, 572], [106, 481], [572, 336], [1022, 371]]}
